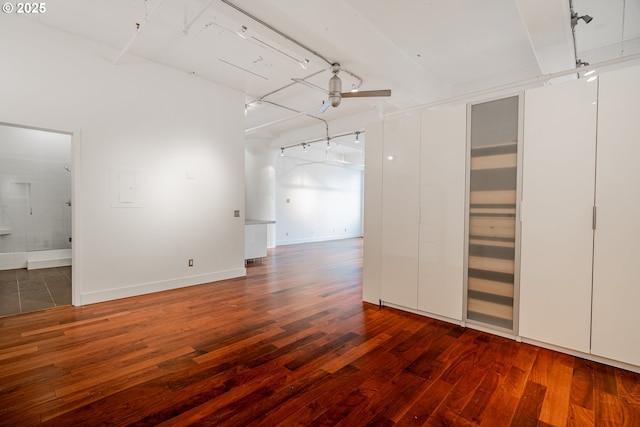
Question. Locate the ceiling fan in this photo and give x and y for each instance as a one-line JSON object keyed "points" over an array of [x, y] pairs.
{"points": [[335, 90]]}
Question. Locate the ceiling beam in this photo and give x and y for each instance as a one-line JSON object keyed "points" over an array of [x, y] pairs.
{"points": [[548, 25]]}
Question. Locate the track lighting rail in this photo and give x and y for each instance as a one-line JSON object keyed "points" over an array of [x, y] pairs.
{"points": [[287, 37], [328, 138]]}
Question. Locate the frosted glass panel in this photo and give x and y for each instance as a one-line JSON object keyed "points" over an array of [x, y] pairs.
{"points": [[492, 212]]}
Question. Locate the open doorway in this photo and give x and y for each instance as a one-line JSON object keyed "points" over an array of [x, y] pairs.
{"points": [[35, 219]]}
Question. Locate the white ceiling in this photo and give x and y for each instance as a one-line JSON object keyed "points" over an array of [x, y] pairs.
{"points": [[423, 50]]}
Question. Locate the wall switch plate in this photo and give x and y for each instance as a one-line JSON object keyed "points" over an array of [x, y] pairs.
{"points": [[190, 263], [236, 213]]}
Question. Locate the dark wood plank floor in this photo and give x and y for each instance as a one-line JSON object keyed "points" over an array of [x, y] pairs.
{"points": [[292, 344]]}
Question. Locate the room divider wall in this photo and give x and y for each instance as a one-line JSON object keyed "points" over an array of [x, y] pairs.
{"points": [[549, 207]]}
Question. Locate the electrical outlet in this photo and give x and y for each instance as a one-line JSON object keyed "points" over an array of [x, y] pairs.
{"points": [[190, 263]]}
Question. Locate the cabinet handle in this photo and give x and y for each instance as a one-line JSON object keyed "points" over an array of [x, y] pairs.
{"points": [[595, 211]]}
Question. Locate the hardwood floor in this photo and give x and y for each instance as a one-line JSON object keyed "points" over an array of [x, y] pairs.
{"points": [[291, 344]]}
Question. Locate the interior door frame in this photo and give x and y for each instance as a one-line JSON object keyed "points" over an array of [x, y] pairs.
{"points": [[76, 201]]}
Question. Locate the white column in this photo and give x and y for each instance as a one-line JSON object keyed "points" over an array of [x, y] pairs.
{"points": [[260, 184]]}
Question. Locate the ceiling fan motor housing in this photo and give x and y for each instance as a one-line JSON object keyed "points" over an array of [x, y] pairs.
{"points": [[335, 90]]}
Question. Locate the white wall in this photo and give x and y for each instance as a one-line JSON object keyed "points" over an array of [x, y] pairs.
{"points": [[160, 124], [260, 185], [315, 199]]}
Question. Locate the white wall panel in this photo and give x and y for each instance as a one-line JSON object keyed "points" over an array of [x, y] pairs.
{"points": [[442, 190], [616, 287], [400, 192], [557, 235]]}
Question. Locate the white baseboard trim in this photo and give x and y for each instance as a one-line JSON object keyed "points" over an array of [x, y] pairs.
{"points": [[587, 356], [423, 313], [317, 239], [48, 263], [164, 285]]}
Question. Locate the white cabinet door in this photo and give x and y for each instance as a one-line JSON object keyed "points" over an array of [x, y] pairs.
{"points": [[400, 191], [372, 247], [616, 275], [557, 207], [442, 210]]}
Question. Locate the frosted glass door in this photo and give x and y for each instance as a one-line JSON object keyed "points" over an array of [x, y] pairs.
{"points": [[557, 207], [442, 188], [400, 192], [616, 287], [492, 212]]}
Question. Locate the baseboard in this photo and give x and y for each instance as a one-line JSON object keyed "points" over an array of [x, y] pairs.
{"points": [[421, 313], [165, 285], [583, 355], [13, 260], [48, 263], [317, 239]]}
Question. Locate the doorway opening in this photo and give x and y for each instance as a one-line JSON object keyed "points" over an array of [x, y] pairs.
{"points": [[35, 219]]}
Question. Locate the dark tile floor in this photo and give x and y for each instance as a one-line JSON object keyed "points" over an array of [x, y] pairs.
{"points": [[23, 290]]}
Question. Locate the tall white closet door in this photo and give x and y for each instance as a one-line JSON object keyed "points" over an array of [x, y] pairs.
{"points": [[557, 206], [442, 210], [616, 275], [372, 246], [400, 192]]}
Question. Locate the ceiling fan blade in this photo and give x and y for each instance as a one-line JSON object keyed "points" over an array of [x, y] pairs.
{"points": [[367, 93], [325, 106]]}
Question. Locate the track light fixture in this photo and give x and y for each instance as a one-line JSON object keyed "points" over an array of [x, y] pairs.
{"points": [[242, 32], [304, 63], [581, 63], [336, 144], [575, 18]]}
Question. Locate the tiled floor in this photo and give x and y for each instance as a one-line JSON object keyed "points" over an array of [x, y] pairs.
{"points": [[23, 290]]}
